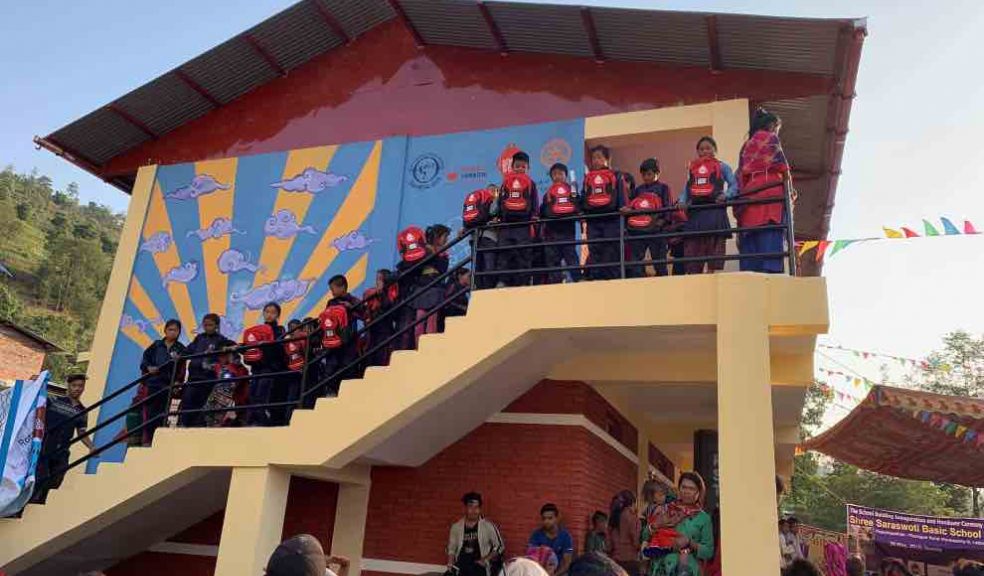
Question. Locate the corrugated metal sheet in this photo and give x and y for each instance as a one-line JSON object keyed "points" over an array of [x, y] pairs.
{"points": [[450, 22], [804, 130], [100, 136], [230, 70], [657, 36], [786, 44], [542, 28], [296, 35], [358, 16], [164, 104]]}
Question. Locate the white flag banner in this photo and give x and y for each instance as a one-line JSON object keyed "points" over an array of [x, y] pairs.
{"points": [[22, 428]]}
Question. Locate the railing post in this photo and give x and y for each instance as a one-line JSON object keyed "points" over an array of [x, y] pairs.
{"points": [[170, 395], [475, 232], [305, 370], [790, 229], [621, 243]]}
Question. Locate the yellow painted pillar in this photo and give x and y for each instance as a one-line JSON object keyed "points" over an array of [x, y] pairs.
{"points": [[254, 520], [350, 524], [746, 454]]}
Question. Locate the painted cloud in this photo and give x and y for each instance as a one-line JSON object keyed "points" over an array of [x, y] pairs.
{"points": [[181, 274], [231, 261], [199, 186], [217, 229], [354, 240], [311, 180], [157, 243], [143, 325], [276, 291], [284, 225]]}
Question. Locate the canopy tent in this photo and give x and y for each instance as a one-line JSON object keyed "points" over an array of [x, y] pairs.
{"points": [[911, 434]]}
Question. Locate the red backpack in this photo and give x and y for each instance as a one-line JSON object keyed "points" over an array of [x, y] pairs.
{"points": [[295, 353], [601, 189], [704, 177], [559, 200], [477, 210], [333, 321], [517, 190], [256, 335], [644, 222], [412, 244]]}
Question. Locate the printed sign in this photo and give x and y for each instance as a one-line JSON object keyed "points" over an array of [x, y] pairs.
{"points": [[914, 532]]}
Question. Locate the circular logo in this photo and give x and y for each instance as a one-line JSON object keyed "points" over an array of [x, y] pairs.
{"points": [[425, 171], [555, 150]]}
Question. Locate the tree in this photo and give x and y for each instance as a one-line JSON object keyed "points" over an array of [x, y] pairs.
{"points": [[957, 369], [73, 276], [10, 304]]}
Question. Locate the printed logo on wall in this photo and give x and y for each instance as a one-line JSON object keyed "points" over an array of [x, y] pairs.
{"points": [[468, 173], [555, 150], [425, 170]]}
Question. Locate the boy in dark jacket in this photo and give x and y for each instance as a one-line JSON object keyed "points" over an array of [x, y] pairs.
{"points": [[201, 369], [649, 170], [605, 191], [518, 202], [274, 361], [560, 201], [158, 363], [349, 352]]}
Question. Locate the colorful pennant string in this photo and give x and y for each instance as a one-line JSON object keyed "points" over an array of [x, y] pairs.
{"points": [[830, 247], [925, 365]]}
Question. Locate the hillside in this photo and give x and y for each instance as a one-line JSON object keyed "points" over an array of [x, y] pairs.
{"points": [[60, 253]]}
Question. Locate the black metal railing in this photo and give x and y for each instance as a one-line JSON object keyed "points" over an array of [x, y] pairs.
{"points": [[313, 384]]}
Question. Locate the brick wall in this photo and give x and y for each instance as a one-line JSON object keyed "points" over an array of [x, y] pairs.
{"points": [[516, 467], [565, 397], [310, 510], [22, 356]]}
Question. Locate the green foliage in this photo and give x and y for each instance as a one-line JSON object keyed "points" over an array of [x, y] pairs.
{"points": [[822, 486], [61, 253], [10, 304]]}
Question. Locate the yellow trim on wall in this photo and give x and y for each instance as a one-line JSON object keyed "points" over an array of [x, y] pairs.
{"points": [[104, 340]]}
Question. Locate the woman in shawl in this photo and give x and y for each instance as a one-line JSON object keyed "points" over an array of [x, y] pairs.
{"points": [[762, 162], [691, 529]]}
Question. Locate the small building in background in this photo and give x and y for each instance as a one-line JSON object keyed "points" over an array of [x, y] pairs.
{"points": [[22, 352]]}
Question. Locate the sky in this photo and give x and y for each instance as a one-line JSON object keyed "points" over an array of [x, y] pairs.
{"points": [[912, 151]]}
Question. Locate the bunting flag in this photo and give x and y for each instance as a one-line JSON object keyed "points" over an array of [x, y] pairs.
{"points": [[925, 365], [949, 425], [949, 228], [831, 247]]}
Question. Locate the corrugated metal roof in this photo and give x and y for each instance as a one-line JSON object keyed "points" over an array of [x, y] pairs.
{"points": [[460, 24], [305, 30], [658, 36]]}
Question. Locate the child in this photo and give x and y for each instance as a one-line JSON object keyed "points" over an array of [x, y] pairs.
{"points": [[338, 285], [597, 540], [412, 244], [429, 297], [604, 192], [481, 208], [378, 301], [518, 201], [709, 182], [273, 359], [227, 394], [297, 359], [650, 195], [560, 201]]}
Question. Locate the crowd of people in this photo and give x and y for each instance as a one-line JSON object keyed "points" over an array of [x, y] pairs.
{"points": [[670, 535]]}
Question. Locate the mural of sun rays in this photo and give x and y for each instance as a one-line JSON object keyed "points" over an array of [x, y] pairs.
{"points": [[350, 215], [275, 249], [174, 275]]}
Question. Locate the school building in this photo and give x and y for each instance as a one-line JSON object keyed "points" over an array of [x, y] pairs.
{"points": [[297, 149]]}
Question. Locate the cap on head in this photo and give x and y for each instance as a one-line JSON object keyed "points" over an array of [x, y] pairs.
{"points": [[300, 555]]}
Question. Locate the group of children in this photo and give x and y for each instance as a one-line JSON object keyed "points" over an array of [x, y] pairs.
{"points": [[525, 238]]}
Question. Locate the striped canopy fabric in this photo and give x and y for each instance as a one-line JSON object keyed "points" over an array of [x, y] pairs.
{"points": [[911, 434]]}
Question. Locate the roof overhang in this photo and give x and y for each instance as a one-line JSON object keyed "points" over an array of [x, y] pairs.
{"points": [[815, 127]]}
